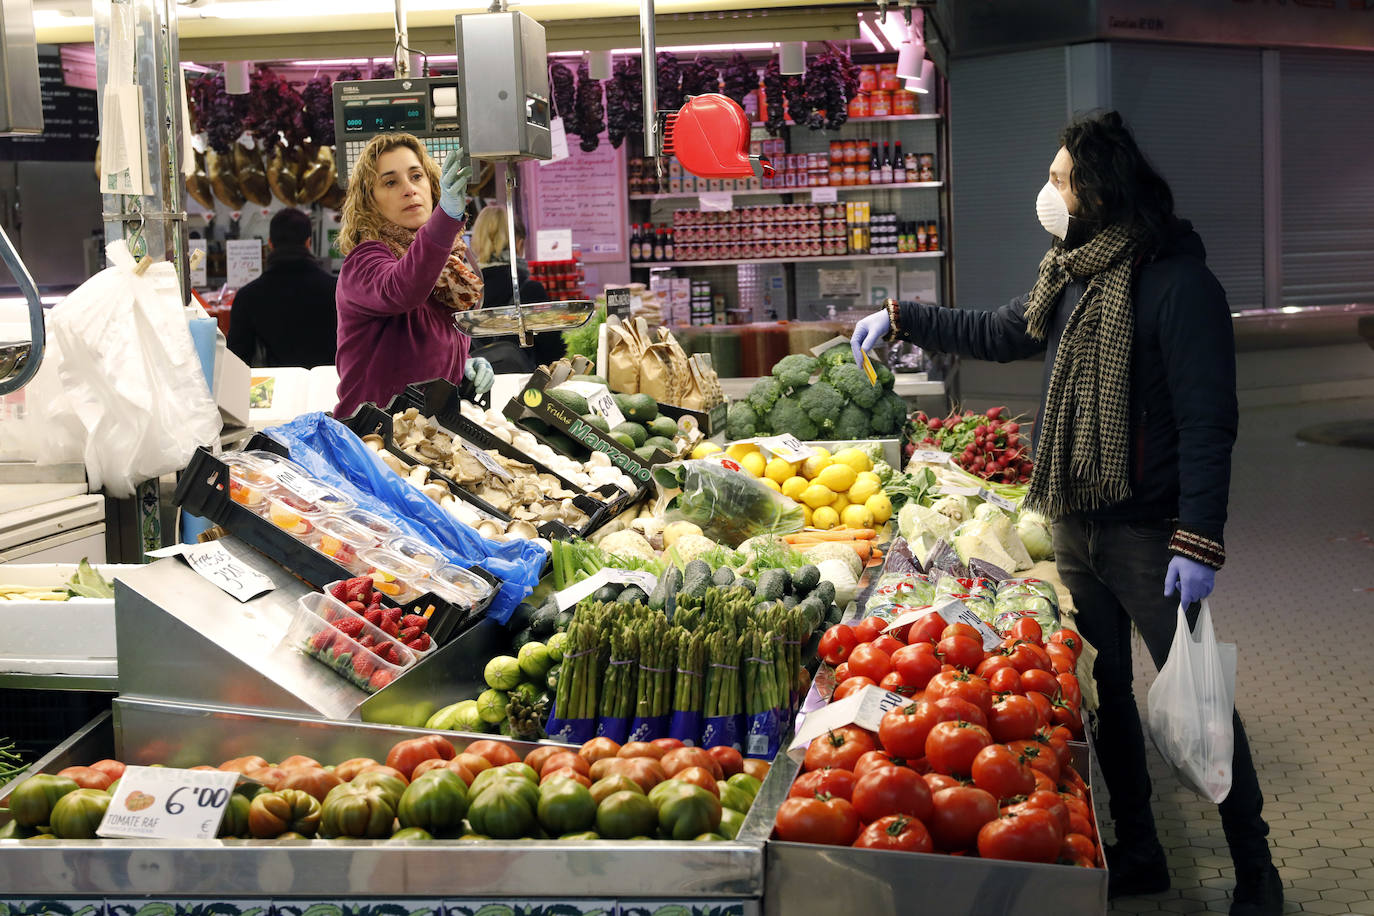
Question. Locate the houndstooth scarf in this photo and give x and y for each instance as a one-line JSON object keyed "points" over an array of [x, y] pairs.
{"points": [[459, 286], [1082, 453]]}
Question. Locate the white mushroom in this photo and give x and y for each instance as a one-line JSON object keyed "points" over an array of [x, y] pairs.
{"points": [[395, 463], [489, 529], [522, 529], [435, 491], [418, 475], [502, 434]]}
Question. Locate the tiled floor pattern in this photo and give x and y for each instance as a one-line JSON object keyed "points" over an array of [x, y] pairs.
{"points": [[1297, 595]]}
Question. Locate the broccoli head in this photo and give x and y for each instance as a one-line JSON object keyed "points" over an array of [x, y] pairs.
{"points": [[763, 394], [895, 407], [837, 356], [822, 404], [880, 417], [787, 416], [795, 370], [885, 377], [853, 423], [851, 381], [741, 422]]}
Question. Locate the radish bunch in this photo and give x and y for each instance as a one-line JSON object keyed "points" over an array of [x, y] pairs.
{"points": [[987, 444]]}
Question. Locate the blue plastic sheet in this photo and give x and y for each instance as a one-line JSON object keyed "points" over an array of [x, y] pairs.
{"points": [[333, 454]]}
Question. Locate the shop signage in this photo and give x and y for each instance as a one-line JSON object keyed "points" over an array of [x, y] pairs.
{"points": [[220, 568], [243, 261], [824, 196], [168, 804], [585, 191], [618, 302]]}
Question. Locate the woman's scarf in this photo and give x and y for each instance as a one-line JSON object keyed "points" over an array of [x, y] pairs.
{"points": [[459, 287]]}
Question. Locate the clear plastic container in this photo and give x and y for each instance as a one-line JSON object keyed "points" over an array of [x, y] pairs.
{"points": [[249, 481], [292, 478], [293, 514], [341, 541], [459, 586], [418, 552], [372, 522], [392, 574], [325, 629]]}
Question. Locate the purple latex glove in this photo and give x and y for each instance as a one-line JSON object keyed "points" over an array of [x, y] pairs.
{"points": [[1190, 580], [869, 332]]}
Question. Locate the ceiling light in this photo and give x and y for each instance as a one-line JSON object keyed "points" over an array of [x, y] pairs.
{"points": [[926, 81], [912, 51], [793, 58], [599, 65], [236, 81]]}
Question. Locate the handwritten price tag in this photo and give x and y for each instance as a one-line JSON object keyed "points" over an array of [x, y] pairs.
{"points": [[220, 568], [488, 462], [168, 804], [956, 612], [786, 447], [599, 400], [864, 708], [930, 456], [301, 485]]}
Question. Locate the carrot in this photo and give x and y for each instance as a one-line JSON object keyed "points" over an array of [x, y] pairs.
{"points": [[834, 534]]}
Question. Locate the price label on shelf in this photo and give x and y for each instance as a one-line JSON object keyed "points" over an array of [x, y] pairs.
{"points": [[600, 401], [930, 456], [168, 804], [718, 201], [220, 568], [299, 484], [957, 612], [1000, 502], [488, 462], [864, 708], [608, 576], [958, 491], [787, 447], [824, 195]]}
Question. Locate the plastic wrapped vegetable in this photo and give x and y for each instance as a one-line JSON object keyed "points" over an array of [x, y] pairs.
{"points": [[1034, 531], [727, 503]]}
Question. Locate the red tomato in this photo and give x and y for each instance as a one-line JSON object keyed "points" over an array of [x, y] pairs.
{"points": [[938, 781], [1062, 660], [888, 644], [564, 773], [1077, 846], [891, 790], [926, 629], [730, 760], [951, 746], [1038, 756], [1070, 691], [841, 672], [639, 749], [1080, 824], [1070, 776], [568, 759], [900, 634], [958, 814], [810, 820], [837, 643], [903, 731], [499, 754], [1014, 718], [1005, 680], [992, 663], [873, 760], [1023, 657], [1069, 640], [1067, 716], [1028, 629], [1077, 806], [840, 748], [954, 709], [1043, 782], [111, 768], [667, 744], [961, 629], [869, 629], [961, 651], [535, 758], [829, 781], [869, 661], [893, 682], [1043, 708], [896, 832], [1047, 801], [1002, 772], [850, 685], [917, 664], [405, 755], [597, 748], [677, 760], [756, 768], [87, 777], [1029, 836], [963, 685], [698, 776], [1040, 681]]}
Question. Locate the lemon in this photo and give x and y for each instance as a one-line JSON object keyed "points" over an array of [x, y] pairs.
{"points": [[820, 451], [840, 502], [870, 475], [857, 516], [740, 449], [812, 467], [753, 463], [794, 487], [772, 484], [825, 518], [704, 449], [778, 470], [837, 477], [807, 514], [863, 488], [854, 458], [816, 496], [880, 506]]}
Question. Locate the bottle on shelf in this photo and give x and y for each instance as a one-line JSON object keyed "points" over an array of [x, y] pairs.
{"points": [[887, 170], [875, 166], [899, 166], [913, 167], [635, 249], [922, 240], [658, 244], [933, 236], [668, 249]]}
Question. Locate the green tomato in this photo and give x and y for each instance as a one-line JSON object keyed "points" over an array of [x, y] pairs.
{"points": [[14, 830], [566, 806], [32, 801], [584, 835], [535, 660], [625, 815], [438, 800], [77, 814], [491, 705], [687, 810], [235, 819], [734, 797], [502, 672], [555, 646], [393, 787], [360, 811], [747, 783], [503, 811], [730, 823], [411, 833]]}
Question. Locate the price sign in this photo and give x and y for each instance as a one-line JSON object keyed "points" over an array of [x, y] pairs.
{"points": [[558, 142], [488, 462], [717, 201], [607, 576], [956, 612], [599, 401], [301, 485], [930, 456], [618, 302], [243, 261], [787, 447], [168, 804], [220, 568], [959, 491], [990, 497], [825, 195], [864, 708]]}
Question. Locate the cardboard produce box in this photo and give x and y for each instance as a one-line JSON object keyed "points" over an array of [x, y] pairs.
{"points": [[76, 636]]}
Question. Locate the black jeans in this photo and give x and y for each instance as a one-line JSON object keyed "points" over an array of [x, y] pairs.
{"points": [[1115, 572]]}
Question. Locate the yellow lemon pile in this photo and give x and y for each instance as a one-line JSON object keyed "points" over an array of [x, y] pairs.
{"points": [[834, 490]]}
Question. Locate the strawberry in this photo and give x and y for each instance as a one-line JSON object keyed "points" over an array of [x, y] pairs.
{"points": [[356, 607], [415, 620], [359, 588], [393, 614], [408, 633], [367, 641], [391, 654], [322, 640], [420, 643], [380, 678], [350, 627], [340, 590], [389, 627], [373, 615], [364, 665]]}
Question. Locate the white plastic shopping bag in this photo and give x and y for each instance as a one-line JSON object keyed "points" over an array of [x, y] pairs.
{"points": [[1190, 707], [130, 375]]}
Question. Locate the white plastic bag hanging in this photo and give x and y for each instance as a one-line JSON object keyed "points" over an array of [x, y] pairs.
{"points": [[1190, 707], [131, 374]]}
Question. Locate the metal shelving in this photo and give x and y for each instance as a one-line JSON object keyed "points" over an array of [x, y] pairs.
{"points": [[731, 262], [772, 192]]}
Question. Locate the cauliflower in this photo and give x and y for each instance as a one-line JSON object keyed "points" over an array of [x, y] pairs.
{"points": [[689, 547], [834, 550], [763, 394], [742, 421], [628, 544], [822, 403], [839, 574], [852, 382], [788, 417], [795, 370]]}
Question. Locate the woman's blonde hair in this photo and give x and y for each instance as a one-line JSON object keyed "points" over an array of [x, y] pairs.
{"points": [[362, 220], [489, 234]]}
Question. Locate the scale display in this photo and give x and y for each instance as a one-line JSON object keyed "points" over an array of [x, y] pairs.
{"points": [[424, 106]]}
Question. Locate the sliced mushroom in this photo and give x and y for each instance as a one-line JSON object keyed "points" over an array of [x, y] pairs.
{"points": [[396, 464]]}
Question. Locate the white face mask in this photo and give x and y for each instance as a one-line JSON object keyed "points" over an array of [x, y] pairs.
{"points": [[1052, 211]]}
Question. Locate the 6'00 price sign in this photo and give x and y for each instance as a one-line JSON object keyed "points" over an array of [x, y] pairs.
{"points": [[163, 803]]}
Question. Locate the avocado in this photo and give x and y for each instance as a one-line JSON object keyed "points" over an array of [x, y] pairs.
{"points": [[825, 591], [633, 594], [607, 593], [522, 617], [806, 579], [569, 399], [746, 583], [594, 379], [535, 425], [521, 638], [669, 584], [544, 622], [564, 618], [772, 584], [624, 439], [663, 426], [724, 577], [696, 578], [645, 454], [637, 407], [634, 431], [560, 442], [664, 445], [599, 422]]}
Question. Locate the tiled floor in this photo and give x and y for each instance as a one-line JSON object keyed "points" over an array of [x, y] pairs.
{"points": [[1297, 595]]}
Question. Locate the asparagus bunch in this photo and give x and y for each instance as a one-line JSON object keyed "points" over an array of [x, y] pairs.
{"points": [[689, 691], [618, 695], [722, 675], [657, 655]]}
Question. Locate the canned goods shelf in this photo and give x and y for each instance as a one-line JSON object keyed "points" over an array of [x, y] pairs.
{"points": [[730, 262], [774, 192]]}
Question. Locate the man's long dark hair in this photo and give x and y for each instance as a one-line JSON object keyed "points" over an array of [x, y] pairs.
{"points": [[1114, 181]]}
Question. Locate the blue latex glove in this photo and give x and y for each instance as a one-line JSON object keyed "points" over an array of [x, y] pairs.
{"points": [[1190, 580], [453, 184], [868, 332], [480, 373]]}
